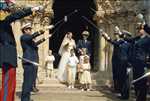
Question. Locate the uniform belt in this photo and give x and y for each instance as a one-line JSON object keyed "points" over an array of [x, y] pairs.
{"points": [[9, 44]]}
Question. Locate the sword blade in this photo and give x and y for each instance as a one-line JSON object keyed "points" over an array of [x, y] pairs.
{"points": [[29, 61], [140, 78]]}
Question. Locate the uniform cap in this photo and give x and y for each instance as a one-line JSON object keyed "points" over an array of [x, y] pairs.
{"points": [[3, 5], [6, 4], [27, 25], [126, 33]]}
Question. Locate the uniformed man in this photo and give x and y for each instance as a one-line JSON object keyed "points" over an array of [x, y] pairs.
{"points": [[140, 49], [124, 66], [120, 63], [8, 53], [115, 58], [30, 52]]}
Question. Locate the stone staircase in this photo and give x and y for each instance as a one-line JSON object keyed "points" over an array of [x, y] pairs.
{"points": [[43, 81]]}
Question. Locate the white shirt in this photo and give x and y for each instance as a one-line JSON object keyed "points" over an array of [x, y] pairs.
{"points": [[73, 61], [50, 60]]}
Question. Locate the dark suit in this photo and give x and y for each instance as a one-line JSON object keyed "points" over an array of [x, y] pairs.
{"points": [[84, 44], [30, 52], [8, 53]]}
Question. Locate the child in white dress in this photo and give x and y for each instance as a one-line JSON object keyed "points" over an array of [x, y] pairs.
{"points": [[81, 61], [71, 69], [86, 75], [49, 64]]}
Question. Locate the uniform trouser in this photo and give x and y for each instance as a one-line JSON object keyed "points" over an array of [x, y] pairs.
{"points": [[8, 83], [35, 76], [115, 71], [28, 80], [148, 85], [124, 80], [125, 88], [140, 86]]}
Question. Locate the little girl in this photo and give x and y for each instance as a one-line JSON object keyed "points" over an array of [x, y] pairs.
{"points": [[86, 76], [71, 69], [81, 61], [49, 64]]}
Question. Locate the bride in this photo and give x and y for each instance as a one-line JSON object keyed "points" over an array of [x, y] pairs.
{"points": [[68, 43]]}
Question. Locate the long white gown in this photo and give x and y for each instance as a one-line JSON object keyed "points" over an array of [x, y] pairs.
{"points": [[64, 51]]}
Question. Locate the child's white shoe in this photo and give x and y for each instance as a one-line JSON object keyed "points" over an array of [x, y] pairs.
{"points": [[69, 87], [72, 86]]}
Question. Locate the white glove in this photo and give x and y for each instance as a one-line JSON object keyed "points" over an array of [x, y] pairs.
{"points": [[101, 31], [38, 8], [128, 70], [49, 27], [117, 30], [47, 37], [65, 18], [106, 35]]}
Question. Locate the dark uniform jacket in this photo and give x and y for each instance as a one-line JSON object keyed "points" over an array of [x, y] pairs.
{"points": [[30, 49], [8, 53], [119, 49], [139, 50], [119, 56], [147, 28]]}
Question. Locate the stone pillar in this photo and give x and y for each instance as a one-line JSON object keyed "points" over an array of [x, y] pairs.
{"points": [[147, 7], [105, 53]]}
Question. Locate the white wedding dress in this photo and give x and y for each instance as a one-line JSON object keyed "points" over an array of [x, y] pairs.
{"points": [[65, 53]]}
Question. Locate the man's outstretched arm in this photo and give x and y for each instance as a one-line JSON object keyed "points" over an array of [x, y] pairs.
{"points": [[22, 13]]}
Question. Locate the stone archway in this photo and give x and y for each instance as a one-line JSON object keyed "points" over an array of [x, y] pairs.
{"points": [[75, 23]]}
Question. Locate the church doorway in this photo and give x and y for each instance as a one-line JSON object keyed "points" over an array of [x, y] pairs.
{"points": [[75, 24]]}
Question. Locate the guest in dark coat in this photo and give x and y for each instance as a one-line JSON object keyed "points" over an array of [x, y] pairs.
{"points": [[84, 43]]}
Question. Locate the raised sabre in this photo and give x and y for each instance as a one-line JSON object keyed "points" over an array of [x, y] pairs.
{"points": [[140, 78], [29, 61]]}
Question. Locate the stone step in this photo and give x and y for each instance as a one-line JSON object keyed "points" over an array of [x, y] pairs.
{"points": [[43, 81]]}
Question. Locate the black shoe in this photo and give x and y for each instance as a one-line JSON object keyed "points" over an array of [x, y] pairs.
{"points": [[37, 89], [123, 98], [115, 91], [149, 92]]}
